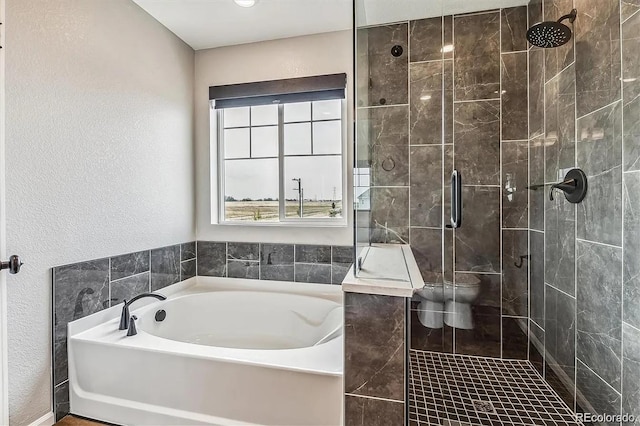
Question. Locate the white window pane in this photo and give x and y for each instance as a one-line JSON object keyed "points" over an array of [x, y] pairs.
{"points": [[236, 143], [327, 110], [236, 117], [327, 137], [264, 115], [321, 182], [297, 112], [297, 139], [264, 141], [251, 190]]}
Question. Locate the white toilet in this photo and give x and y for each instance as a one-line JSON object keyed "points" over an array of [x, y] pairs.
{"points": [[440, 304]]}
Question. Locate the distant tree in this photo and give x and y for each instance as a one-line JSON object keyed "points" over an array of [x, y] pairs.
{"points": [[229, 198], [246, 199]]}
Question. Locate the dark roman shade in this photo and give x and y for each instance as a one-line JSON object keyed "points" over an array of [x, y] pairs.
{"points": [[303, 89]]}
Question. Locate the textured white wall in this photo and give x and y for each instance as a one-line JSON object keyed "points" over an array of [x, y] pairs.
{"points": [[326, 53], [99, 157]]}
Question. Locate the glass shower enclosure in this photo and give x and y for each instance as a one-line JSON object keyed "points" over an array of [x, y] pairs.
{"points": [[462, 128]]}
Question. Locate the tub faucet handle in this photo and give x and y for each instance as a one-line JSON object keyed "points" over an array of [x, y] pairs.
{"points": [[132, 331]]}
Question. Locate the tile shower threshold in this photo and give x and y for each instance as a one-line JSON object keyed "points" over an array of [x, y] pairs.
{"points": [[460, 390]]}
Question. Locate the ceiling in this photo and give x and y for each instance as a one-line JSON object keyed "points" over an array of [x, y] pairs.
{"points": [[205, 24]]}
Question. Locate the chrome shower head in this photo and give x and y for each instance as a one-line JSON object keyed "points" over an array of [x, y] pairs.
{"points": [[551, 33]]}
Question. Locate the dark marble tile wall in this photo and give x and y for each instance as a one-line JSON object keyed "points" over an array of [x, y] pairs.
{"points": [[280, 262], [84, 288], [584, 291], [375, 356]]}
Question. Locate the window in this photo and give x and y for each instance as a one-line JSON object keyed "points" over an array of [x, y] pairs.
{"points": [[281, 162]]}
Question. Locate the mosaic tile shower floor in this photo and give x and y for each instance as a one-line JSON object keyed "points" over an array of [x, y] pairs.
{"points": [[458, 390]]}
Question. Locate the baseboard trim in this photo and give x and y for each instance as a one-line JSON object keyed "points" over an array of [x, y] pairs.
{"points": [[47, 420]]}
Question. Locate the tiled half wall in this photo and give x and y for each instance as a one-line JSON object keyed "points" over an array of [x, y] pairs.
{"points": [[84, 288]]}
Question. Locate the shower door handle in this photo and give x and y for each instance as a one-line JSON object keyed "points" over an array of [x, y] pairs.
{"points": [[456, 200]]}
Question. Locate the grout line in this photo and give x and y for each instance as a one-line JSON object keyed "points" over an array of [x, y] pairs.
{"points": [[476, 100], [374, 397], [582, 240], [593, 112], [127, 277], [597, 375], [382, 106], [626, 19]]}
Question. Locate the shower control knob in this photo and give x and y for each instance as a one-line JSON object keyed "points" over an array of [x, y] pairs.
{"points": [[13, 264]]}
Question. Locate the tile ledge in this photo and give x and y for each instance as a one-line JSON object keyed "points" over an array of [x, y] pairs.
{"points": [[389, 270]]}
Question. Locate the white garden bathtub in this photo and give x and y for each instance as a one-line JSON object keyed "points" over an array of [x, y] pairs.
{"points": [[229, 352]]}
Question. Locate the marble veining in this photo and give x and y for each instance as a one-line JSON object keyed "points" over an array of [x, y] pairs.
{"points": [[361, 411], [427, 87], [537, 277], [515, 103], [514, 25], [560, 332], [478, 240], [536, 92], [597, 41], [386, 129], [374, 346], [593, 395], [515, 179], [129, 264], [165, 267], [127, 288], [631, 370], [380, 74], [560, 124], [80, 289], [187, 251], [631, 272], [313, 273], [426, 186], [212, 259], [599, 155], [477, 142], [515, 273], [389, 215], [477, 56], [631, 92], [427, 250], [426, 37], [560, 241], [600, 330], [558, 58]]}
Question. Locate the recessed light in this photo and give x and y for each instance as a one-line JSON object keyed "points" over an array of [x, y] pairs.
{"points": [[629, 80], [425, 97], [447, 48], [246, 3]]}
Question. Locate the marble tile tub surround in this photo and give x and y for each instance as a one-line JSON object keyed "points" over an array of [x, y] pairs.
{"points": [[84, 288], [281, 262], [584, 287], [466, 107]]}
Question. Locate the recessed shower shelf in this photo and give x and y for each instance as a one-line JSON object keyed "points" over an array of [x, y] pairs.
{"points": [[386, 269]]}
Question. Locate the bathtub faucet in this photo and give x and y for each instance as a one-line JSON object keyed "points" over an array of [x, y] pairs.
{"points": [[124, 317]]}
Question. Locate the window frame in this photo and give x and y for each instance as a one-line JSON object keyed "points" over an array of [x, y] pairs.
{"points": [[283, 220]]}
